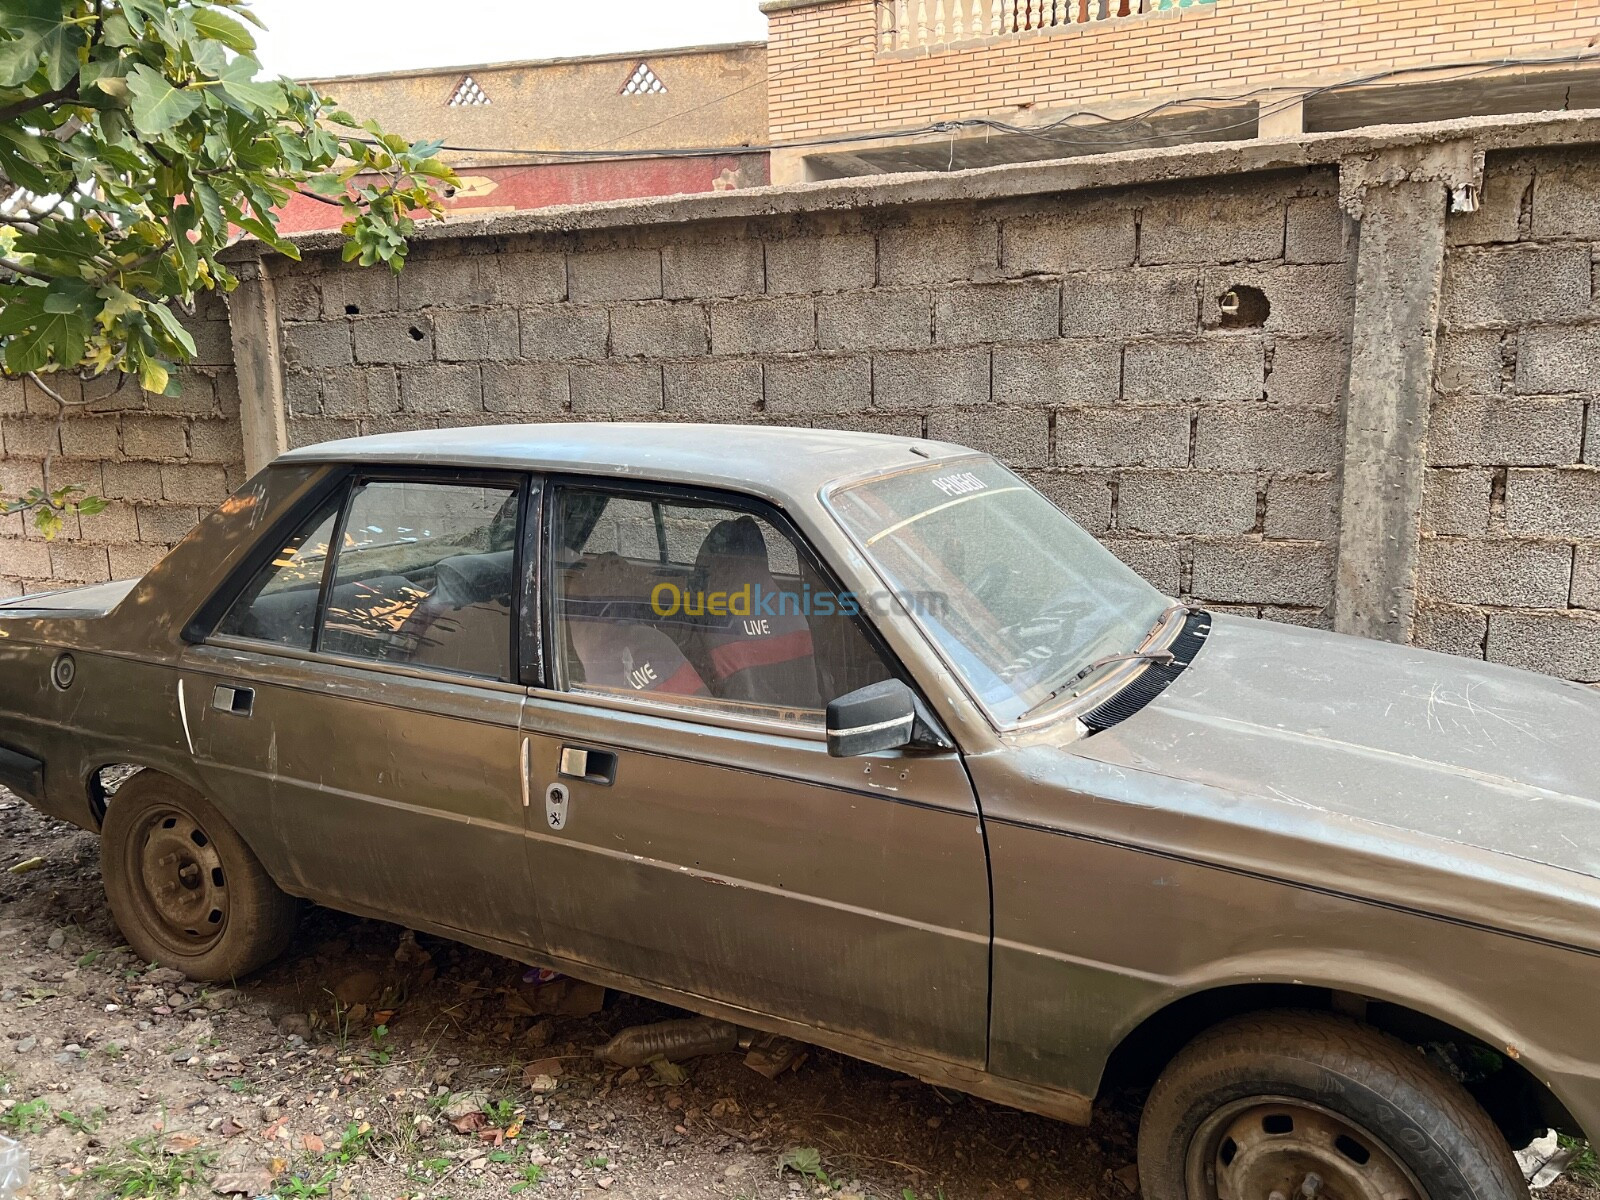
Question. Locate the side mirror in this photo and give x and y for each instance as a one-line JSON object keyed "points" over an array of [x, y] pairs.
{"points": [[880, 716]]}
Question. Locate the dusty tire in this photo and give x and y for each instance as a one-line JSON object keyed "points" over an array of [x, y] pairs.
{"points": [[1261, 1102], [184, 888]]}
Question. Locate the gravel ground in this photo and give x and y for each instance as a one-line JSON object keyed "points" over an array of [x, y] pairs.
{"points": [[370, 1062]]}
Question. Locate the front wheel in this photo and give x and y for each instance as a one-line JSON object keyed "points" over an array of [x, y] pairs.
{"points": [[1306, 1106], [184, 888]]}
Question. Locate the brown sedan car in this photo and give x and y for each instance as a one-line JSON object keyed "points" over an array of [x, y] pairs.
{"points": [[858, 739]]}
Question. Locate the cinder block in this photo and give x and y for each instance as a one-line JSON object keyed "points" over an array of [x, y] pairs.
{"points": [[529, 389], [1201, 502], [1468, 361], [599, 275], [399, 340], [312, 347], [132, 481], [1307, 370], [1294, 573], [694, 270], [616, 389], [832, 263], [153, 437], [1302, 510], [134, 562], [1024, 311], [1459, 631], [350, 291], [446, 282], [1237, 223], [1514, 285], [565, 331], [1130, 303], [1266, 438], [30, 438], [196, 396], [1230, 367], [939, 254], [930, 379], [1084, 498], [309, 431], [213, 343], [1122, 437], [1300, 299], [1496, 571], [1566, 200], [194, 483], [22, 559], [530, 277], [13, 397], [117, 522], [219, 441], [299, 297], [774, 326], [302, 393], [1455, 502], [659, 330], [79, 564], [476, 335], [1499, 215], [17, 475], [889, 424], [1084, 240], [720, 390], [90, 437], [1069, 372], [1585, 577], [166, 524], [1508, 431], [836, 384], [1156, 560], [360, 392], [1018, 437], [1316, 230], [1562, 503], [1558, 359], [1566, 645], [440, 388], [876, 320]]}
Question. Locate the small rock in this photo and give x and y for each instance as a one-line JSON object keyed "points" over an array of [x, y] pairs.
{"points": [[164, 977], [734, 1172], [252, 1181], [294, 1023], [1128, 1177], [148, 996], [26, 1045], [358, 988], [541, 1085], [604, 1183], [57, 939], [1022, 1185], [462, 1105], [935, 1122]]}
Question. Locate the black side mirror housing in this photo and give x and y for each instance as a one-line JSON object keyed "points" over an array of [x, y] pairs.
{"points": [[880, 716]]}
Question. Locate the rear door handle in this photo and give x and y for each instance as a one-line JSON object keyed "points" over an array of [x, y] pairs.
{"points": [[236, 701], [591, 766]]}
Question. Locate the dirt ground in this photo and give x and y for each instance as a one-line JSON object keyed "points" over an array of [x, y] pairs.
{"points": [[373, 1063]]}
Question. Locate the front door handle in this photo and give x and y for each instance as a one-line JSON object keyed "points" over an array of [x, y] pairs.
{"points": [[236, 701], [591, 766]]}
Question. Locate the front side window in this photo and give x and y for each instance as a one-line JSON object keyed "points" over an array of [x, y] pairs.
{"points": [[1025, 598], [699, 604], [425, 574]]}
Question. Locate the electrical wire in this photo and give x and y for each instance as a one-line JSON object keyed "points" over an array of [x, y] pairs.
{"points": [[1037, 132]]}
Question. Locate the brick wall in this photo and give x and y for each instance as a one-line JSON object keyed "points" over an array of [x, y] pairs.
{"points": [[1511, 524], [1078, 338], [161, 461], [826, 74]]}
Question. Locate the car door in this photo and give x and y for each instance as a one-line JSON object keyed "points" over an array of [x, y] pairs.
{"points": [[358, 703], [688, 828]]}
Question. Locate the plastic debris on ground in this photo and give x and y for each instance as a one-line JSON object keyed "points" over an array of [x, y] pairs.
{"points": [[670, 1040], [13, 1168], [1544, 1161]]}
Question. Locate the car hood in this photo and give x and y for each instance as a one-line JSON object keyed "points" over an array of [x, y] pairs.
{"points": [[1477, 755]]}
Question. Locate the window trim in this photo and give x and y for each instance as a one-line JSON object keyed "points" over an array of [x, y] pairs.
{"points": [[555, 687], [342, 486]]}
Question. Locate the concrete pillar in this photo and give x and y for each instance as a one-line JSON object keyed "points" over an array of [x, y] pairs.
{"points": [[253, 323], [1400, 198]]}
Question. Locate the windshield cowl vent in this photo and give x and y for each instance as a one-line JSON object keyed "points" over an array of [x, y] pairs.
{"points": [[1155, 679]]}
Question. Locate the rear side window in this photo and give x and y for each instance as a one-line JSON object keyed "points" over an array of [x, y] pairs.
{"points": [[280, 604], [425, 574]]}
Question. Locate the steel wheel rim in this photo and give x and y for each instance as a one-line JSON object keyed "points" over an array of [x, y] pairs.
{"points": [[180, 883], [1274, 1148]]}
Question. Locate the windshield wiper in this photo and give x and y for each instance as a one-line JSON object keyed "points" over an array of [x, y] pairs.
{"points": [[1160, 657]]}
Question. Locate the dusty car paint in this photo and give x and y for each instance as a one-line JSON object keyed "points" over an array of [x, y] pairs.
{"points": [[1296, 808]]}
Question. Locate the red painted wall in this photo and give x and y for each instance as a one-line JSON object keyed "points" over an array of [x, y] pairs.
{"points": [[539, 185]]}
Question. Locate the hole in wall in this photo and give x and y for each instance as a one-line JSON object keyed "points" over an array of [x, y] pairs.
{"points": [[416, 334], [1243, 307], [352, 310]]}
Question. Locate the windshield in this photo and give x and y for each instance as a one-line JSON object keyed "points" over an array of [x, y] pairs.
{"points": [[1017, 597]]}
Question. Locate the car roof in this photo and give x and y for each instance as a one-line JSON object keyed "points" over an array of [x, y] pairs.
{"points": [[771, 460]]}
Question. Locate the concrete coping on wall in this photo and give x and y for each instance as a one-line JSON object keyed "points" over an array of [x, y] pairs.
{"points": [[777, 6], [1167, 164]]}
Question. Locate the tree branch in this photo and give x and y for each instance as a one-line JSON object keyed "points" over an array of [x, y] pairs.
{"points": [[68, 91], [17, 268]]}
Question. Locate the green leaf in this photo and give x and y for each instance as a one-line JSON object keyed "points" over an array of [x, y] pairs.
{"points": [[92, 506], [40, 36], [219, 26], [247, 93], [48, 522], [158, 103], [51, 337], [171, 326]]}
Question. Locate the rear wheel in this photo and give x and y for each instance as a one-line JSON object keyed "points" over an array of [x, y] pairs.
{"points": [[184, 888], [1305, 1106]]}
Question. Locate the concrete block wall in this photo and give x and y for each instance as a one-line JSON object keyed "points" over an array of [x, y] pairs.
{"points": [[1510, 565], [160, 461], [1077, 337]]}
